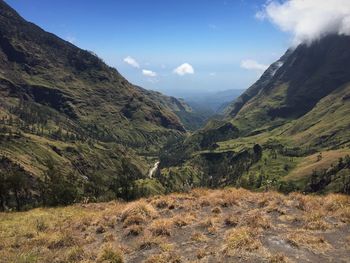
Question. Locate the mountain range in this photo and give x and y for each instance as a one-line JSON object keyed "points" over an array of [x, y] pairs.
{"points": [[64, 105], [211, 101], [289, 131], [73, 128]]}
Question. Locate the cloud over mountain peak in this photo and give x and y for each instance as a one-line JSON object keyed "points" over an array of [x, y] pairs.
{"points": [[308, 20]]}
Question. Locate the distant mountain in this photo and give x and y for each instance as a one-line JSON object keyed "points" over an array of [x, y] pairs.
{"points": [[289, 131], [213, 101], [191, 117], [63, 105]]}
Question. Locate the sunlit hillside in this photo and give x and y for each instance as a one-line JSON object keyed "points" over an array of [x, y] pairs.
{"points": [[231, 225]]}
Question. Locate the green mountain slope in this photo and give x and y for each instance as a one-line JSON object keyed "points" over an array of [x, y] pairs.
{"points": [[304, 76], [289, 131], [68, 120]]}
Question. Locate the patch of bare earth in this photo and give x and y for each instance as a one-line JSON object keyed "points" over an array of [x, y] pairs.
{"points": [[231, 225]]}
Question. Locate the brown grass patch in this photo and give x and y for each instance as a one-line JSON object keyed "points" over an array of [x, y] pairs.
{"points": [[241, 239], [164, 258], [306, 202], [334, 202], [134, 230], [161, 202], [300, 239], [315, 221], [344, 215], [199, 237], [138, 213], [161, 227], [255, 219], [183, 220], [110, 253]]}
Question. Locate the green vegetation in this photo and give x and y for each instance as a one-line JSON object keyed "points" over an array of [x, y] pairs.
{"points": [[301, 123], [71, 127]]}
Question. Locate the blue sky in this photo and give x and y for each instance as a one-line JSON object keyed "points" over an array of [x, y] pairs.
{"points": [[213, 36]]}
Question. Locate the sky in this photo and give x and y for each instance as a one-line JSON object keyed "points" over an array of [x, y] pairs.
{"points": [[182, 47]]}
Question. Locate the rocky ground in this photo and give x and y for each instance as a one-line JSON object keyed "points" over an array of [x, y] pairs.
{"points": [[231, 225]]}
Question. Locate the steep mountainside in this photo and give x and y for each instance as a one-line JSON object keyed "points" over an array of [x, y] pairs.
{"points": [[236, 105], [293, 86], [67, 115], [289, 131], [40, 67]]}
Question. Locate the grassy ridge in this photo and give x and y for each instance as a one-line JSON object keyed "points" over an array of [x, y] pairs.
{"points": [[202, 225]]}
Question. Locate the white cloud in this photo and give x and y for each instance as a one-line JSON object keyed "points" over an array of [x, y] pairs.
{"points": [[251, 64], [308, 20], [149, 73], [212, 74], [184, 69], [131, 61]]}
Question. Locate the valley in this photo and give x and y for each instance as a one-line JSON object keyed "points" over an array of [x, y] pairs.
{"points": [[94, 168]]}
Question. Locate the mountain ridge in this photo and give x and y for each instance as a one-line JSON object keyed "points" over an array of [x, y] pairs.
{"points": [[297, 110], [61, 106]]}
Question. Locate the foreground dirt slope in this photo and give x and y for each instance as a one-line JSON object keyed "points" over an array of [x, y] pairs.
{"points": [[231, 225]]}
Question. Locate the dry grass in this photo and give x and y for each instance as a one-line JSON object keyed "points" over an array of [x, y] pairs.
{"points": [[188, 227], [183, 220], [164, 258], [315, 221], [148, 240], [300, 239], [242, 239], [256, 219], [138, 213], [161, 227], [134, 230], [279, 258], [109, 253]]}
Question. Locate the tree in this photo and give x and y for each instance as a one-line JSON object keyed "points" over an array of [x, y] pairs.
{"points": [[3, 190], [18, 183], [57, 189], [259, 181]]}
